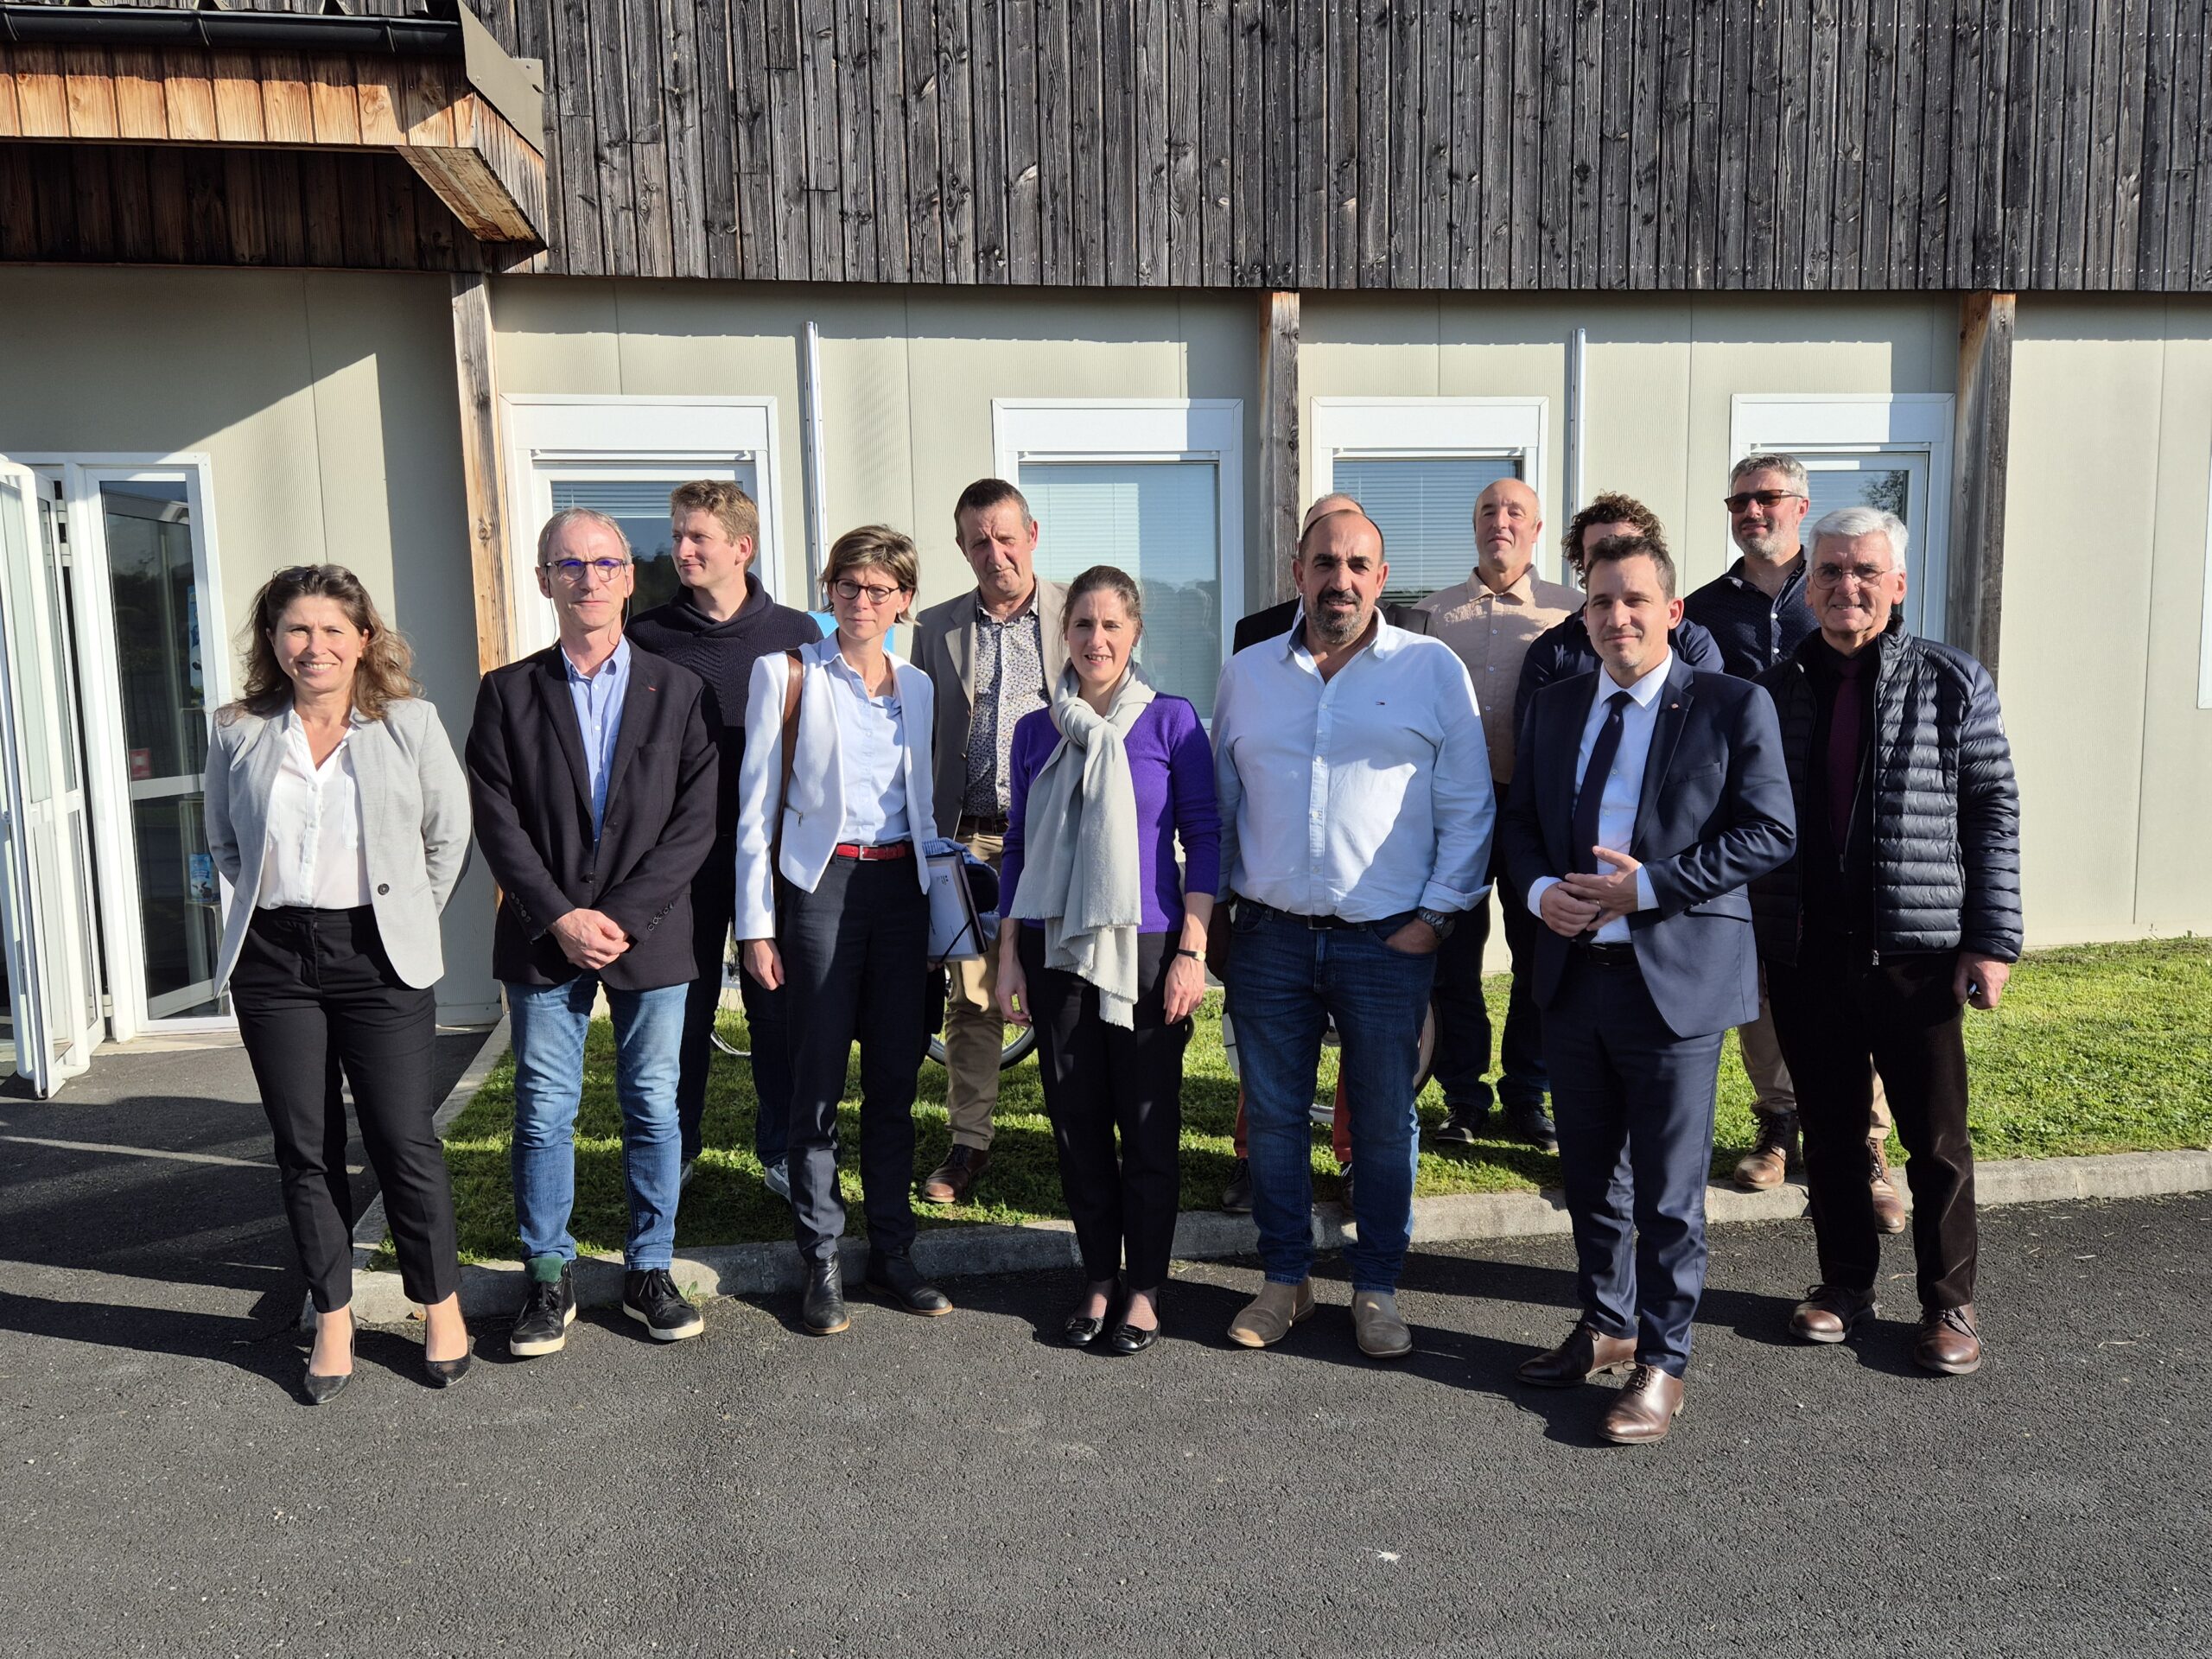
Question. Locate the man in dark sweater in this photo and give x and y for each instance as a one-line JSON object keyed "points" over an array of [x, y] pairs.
{"points": [[719, 625]]}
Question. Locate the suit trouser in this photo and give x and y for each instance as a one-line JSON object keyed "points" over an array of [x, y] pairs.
{"points": [[975, 1036], [1771, 1089], [316, 997], [854, 952], [1100, 1079], [1463, 1019], [1836, 1010], [714, 902], [1633, 1104]]}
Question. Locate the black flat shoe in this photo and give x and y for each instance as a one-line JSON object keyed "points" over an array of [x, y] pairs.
{"points": [[1131, 1339], [1081, 1330], [444, 1373], [321, 1389]]}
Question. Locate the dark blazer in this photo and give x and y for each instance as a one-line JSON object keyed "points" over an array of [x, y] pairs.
{"points": [[1715, 813], [532, 797]]}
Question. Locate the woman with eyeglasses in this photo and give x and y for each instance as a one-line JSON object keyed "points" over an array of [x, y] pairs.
{"points": [[339, 815], [834, 819], [1105, 945]]}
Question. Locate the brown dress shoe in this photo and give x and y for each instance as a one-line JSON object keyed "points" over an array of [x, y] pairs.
{"points": [[1267, 1319], [1888, 1207], [1828, 1312], [1586, 1353], [948, 1183], [1770, 1162], [1947, 1342], [1646, 1409]]}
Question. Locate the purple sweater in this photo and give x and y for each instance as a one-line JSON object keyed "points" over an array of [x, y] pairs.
{"points": [[1171, 766]]}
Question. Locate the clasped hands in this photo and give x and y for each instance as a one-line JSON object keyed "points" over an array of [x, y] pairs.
{"points": [[1581, 903], [590, 938]]}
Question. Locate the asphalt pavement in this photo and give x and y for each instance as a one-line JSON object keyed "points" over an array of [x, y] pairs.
{"points": [[964, 1486]]}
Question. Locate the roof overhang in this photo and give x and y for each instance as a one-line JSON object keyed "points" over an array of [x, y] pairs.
{"points": [[438, 92]]}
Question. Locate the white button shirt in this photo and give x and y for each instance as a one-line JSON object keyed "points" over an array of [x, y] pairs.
{"points": [[313, 858], [1624, 785], [1360, 797], [872, 745]]}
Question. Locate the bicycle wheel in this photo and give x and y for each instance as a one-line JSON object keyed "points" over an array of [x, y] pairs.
{"points": [[732, 1002], [1017, 1041]]}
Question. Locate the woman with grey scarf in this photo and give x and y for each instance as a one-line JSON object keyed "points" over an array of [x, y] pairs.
{"points": [[1104, 946]]}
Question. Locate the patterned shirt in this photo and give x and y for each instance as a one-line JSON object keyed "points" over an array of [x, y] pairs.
{"points": [[1009, 684]]}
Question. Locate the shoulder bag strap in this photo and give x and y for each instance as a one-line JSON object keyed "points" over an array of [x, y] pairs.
{"points": [[794, 669]]}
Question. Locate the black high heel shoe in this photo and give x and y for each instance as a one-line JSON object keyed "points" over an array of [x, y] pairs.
{"points": [[444, 1373], [321, 1389]]}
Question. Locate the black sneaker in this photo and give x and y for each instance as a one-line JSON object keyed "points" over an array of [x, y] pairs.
{"points": [[653, 1300], [1236, 1197], [1462, 1125], [547, 1310]]}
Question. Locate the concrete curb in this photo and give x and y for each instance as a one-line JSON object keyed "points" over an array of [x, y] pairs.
{"points": [[1204, 1234]]}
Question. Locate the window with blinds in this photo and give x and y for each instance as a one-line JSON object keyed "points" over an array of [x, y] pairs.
{"points": [[1158, 520], [1425, 507], [639, 502]]}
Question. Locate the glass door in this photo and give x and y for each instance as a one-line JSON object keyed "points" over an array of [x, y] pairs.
{"points": [[53, 928], [1895, 480]]}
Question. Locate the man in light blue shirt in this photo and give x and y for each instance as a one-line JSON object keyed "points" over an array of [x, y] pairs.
{"points": [[598, 697], [1356, 812]]}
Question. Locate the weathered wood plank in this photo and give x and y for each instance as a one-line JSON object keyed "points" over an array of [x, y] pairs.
{"points": [[1929, 248], [1734, 121], [141, 112], [1646, 158], [1310, 143], [956, 140], [1056, 169], [1378, 96], [1279, 434], [2127, 179], [2102, 177], [237, 101], [11, 126], [683, 122], [321, 207], [1763, 179], [1462, 142], [1616, 127], [721, 166], [753, 138], [1524, 143], [1702, 161], [779, 49], [644, 148], [827, 207], [1494, 188], [2188, 260], [284, 214], [18, 199], [133, 200], [88, 84], [287, 104], [1986, 243], [620, 185], [483, 490], [1118, 142], [1557, 140], [1248, 183], [1874, 266], [583, 245], [852, 115], [1961, 144], [987, 50], [378, 96], [91, 193], [1278, 122], [41, 92], [926, 239], [1086, 187], [2050, 124], [246, 220], [1813, 236], [1024, 225], [895, 232], [169, 197], [1185, 181], [2074, 196], [1584, 128], [1974, 611], [2015, 254]]}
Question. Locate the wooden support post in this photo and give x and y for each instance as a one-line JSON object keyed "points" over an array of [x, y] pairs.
{"points": [[1975, 592], [480, 469], [1278, 438]]}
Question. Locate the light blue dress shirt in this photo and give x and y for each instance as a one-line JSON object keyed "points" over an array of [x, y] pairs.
{"points": [[1361, 796], [872, 743], [598, 698], [1624, 785]]}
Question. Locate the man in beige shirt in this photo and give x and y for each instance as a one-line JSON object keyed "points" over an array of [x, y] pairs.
{"points": [[1490, 621]]}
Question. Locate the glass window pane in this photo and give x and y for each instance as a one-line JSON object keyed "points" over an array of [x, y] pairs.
{"points": [[156, 627], [178, 895], [639, 505], [1866, 486], [57, 589], [1158, 520], [1425, 507]]}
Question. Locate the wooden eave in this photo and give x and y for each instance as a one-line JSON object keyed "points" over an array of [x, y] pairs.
{"points": [[425, 109]]}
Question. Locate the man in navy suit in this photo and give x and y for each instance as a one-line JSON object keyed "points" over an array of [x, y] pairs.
{"points": [[1654, 793]]}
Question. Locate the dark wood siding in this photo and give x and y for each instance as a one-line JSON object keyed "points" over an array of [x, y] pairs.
{"points": [[1626, 145]]}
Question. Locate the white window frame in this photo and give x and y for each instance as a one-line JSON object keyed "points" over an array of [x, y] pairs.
{"points": [[1429, 428], [1047, 429], [107, 761], [1863, 422], [2204, 637], [697, 436]]}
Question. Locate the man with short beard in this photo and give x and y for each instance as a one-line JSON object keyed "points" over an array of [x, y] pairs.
{"points": [[1355, 796]]}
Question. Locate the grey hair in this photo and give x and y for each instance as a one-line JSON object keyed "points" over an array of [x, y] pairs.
{"points": [[1849, 524], [1789, 465], [567, 516]]}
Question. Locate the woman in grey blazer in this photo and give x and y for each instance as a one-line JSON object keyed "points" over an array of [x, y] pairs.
{"points": [[339, 815]]}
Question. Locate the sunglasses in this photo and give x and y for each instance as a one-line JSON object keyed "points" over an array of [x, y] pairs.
{"points": [[1743, 498]]}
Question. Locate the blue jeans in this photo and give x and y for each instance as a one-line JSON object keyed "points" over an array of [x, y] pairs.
{"points": [[1286, 982], [550, 1022]]}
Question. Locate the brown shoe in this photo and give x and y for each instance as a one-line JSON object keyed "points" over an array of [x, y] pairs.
{"points": [[1889, 1208], [1586, 1353], [1774, 1159], [1948, 1342], [1375, 1322], [1828, 1312], [1646, 1409], [1267, 1319], [948, 1183]]}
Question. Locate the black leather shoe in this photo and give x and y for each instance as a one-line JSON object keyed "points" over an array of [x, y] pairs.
{"points": [[321, 1389], [1531, 1124], [444, 1373], [821, 1304], [1587, 1352], [1236, 1197], [896, 1279], [1081, 1330], [1462, 1125], [1131, 1339]]}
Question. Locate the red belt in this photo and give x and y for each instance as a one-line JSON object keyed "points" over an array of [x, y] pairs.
{"points": [[875, 854]]}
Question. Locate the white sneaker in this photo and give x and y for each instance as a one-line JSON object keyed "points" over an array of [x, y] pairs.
{"points": [[777, 1177]]}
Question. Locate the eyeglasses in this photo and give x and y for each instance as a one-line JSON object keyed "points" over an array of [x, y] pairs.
{"points": [[573, 571], [1743, 498], [1833, 575], [850, 591]]}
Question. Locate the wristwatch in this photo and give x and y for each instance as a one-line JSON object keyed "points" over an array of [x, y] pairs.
{"points": [[1440, 922]]}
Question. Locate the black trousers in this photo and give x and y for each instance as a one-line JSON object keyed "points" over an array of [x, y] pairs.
{"points": [[315, 994], [714, 902], [854, 952], [1100, 1079], [1834, 1010]]}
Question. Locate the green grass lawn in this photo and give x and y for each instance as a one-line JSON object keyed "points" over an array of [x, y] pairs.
{"points": [[2098, 1048]]}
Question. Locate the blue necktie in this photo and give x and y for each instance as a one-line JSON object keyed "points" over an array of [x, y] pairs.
{"points": [[1591, 795]]}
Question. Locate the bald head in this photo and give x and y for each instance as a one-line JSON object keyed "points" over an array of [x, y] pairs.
{"points": [[1322, 508], [1507, 521]]}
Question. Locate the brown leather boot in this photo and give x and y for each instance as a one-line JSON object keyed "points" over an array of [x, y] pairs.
{"points": [[1586, 1353], [1828, 1312], [1774, 1159], [1888, 1207], [1646, 1409], [951, 1180], [1267, 1319], [1948, 1342]]}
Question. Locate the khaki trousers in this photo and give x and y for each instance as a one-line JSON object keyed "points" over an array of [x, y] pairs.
{"points": [[1771, 1090], [974, 1034]]}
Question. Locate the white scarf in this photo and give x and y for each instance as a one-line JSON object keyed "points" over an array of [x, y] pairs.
{"points": [[1079, 873]]}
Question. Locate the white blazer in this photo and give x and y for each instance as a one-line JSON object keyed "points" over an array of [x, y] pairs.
{"points": [[815, 810]]}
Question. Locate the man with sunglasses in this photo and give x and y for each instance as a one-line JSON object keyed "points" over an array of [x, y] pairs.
{"points": [[1757, 613], [592, 776]]}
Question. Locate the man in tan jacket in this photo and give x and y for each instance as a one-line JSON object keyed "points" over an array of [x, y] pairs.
{"points": [[993, 654]]}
